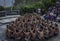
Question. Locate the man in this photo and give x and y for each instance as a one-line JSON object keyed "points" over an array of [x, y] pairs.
{"points": [[38, 10]]}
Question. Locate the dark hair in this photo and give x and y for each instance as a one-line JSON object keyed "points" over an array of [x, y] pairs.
{"points": [[23, 20], [28, 20], [17, 29], [37, 18], [33, 19], [52, 27], [56, 25], [41, 27], [33, 31]]}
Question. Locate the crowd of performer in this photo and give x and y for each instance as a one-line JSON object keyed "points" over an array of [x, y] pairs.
{"points": [[31, 27]]}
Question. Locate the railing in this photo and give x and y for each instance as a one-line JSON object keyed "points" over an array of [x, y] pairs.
{"points": [[9, 12]]}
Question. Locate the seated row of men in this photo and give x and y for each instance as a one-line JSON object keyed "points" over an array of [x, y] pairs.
{"points": [[30, 27]]}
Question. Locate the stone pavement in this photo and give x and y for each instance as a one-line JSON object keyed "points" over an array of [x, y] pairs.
{"points": [[7, 19]]}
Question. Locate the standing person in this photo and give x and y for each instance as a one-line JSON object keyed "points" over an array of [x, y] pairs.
{"points": [[59, 11], [38, 10], [55, 11], [50, 9], [57, 6], [43, 11], [51, 16]]}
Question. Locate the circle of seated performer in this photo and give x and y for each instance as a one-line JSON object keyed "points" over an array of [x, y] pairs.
{"points": [[31, 26]]}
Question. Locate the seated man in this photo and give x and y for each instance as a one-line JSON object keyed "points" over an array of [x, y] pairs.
{"points": [[33, 34], [26, 34], [40, 34]]}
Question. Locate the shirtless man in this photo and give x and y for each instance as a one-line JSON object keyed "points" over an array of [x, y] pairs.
{"points": [[26, 32], [40, 32], [9, 31], [33, 34]]}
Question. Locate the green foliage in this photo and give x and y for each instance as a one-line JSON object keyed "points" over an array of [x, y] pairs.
{"points": [[48, 3], [4, 8], [40, 4], [1, 8], [7, 8], [27, 8]]}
